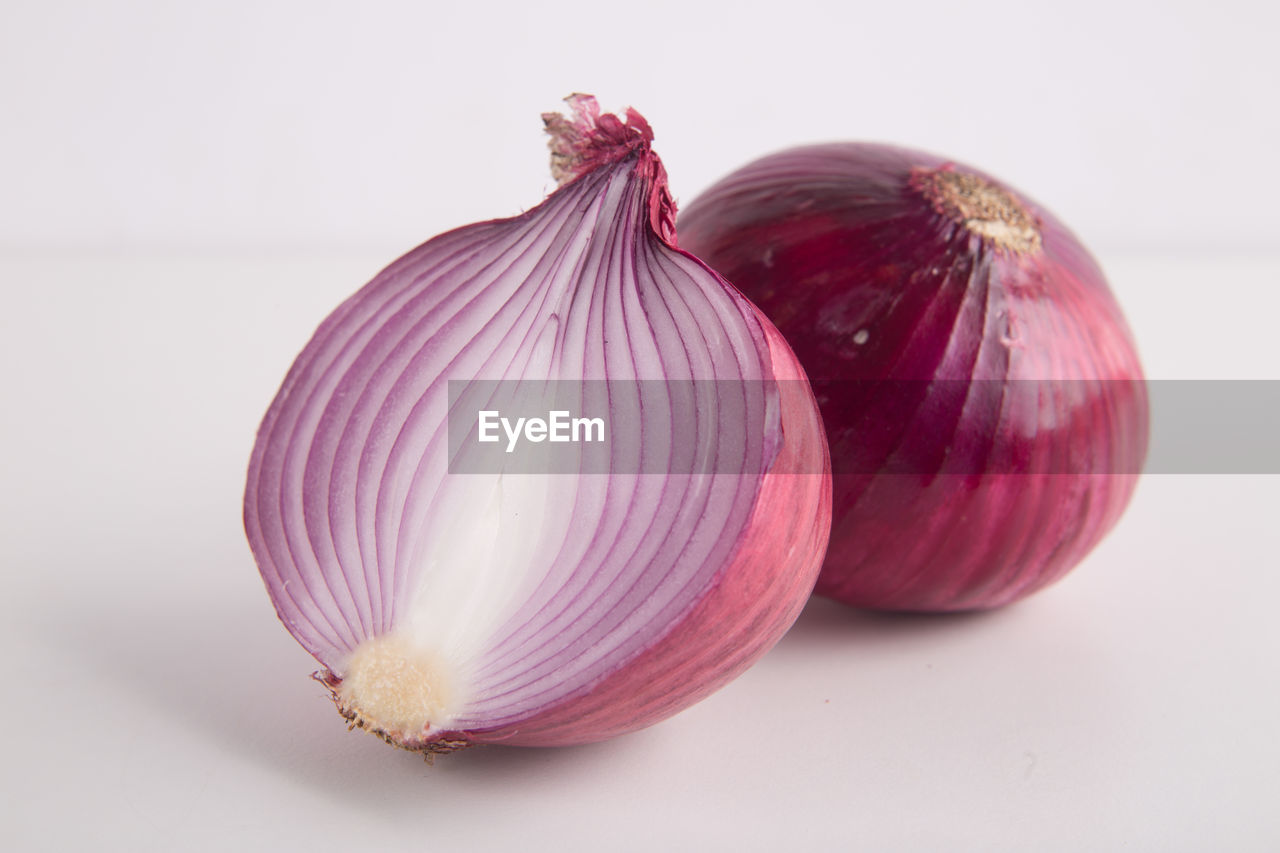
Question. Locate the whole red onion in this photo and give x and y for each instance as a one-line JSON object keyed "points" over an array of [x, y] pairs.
{"points": [[981, 392]]}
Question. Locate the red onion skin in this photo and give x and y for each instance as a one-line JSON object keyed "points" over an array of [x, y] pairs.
{"points": [[869, 279]]}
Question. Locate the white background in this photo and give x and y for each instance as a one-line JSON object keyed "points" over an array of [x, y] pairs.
{"points": [[186, 190], [272, 124]]}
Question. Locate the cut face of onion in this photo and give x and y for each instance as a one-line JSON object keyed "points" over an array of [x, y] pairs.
{"points": [[981, 391], [452, 605]]}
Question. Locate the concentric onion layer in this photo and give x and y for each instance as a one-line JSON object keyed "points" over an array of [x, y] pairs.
{"points": [[980, 388], [543, 609]]}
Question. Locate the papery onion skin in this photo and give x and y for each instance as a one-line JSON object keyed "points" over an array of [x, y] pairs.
{"points": [[348, 500], [981, 390]]}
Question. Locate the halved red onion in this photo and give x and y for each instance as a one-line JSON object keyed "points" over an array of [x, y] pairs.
{"points": [[982, 394], [450, 608]]}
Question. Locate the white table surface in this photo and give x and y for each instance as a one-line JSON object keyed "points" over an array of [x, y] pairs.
{"points": [[154, 703]]}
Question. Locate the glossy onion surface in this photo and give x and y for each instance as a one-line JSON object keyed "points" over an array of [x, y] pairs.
{"points": [[981, 391]]}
